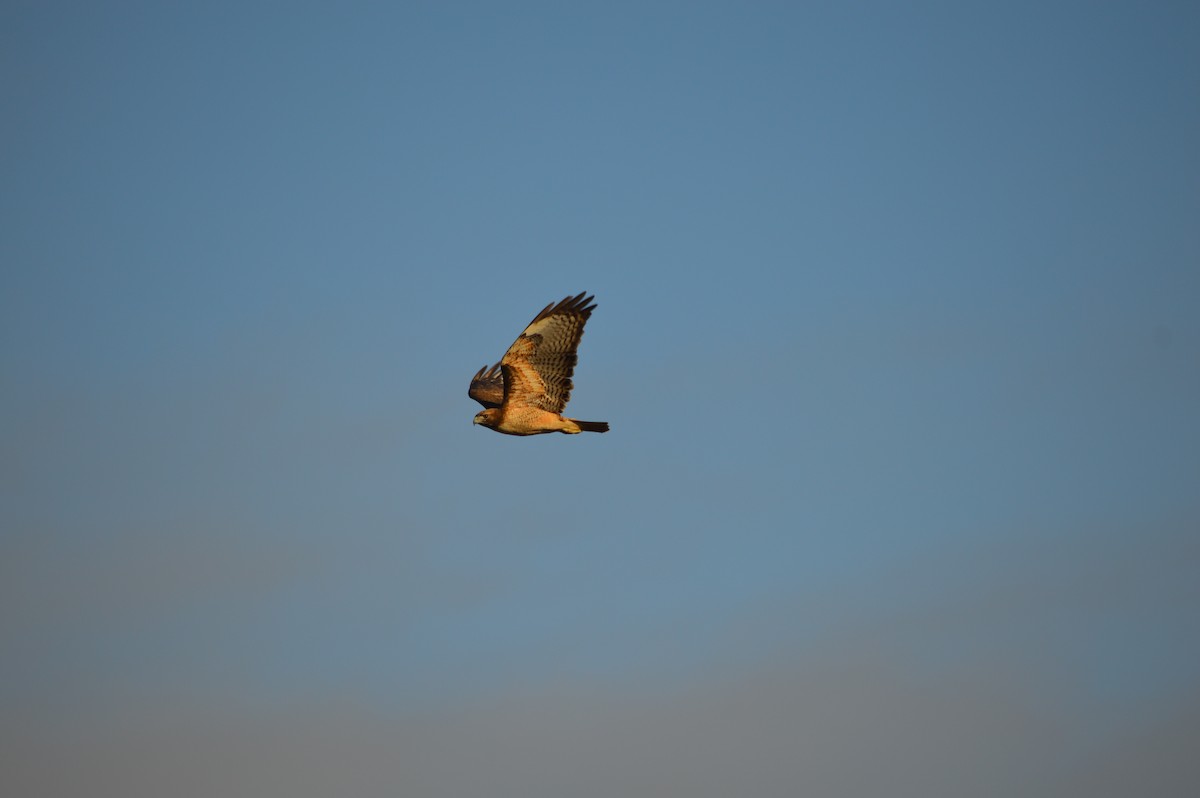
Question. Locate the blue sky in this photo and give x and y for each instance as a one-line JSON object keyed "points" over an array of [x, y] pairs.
{"points": [[898, 336]]}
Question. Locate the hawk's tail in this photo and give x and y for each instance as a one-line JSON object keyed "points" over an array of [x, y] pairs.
{"points": [[592, 426]]}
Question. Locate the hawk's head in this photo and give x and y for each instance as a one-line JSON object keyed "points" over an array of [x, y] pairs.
{"points": [[489, 417]]}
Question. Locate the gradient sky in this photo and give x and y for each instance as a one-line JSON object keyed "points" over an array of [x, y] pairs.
{"points": [[898, 334]]}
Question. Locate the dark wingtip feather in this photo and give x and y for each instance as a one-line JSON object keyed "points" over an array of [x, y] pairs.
{"points": [[572, 304]]}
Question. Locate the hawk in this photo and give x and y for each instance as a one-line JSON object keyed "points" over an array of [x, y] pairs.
{"points": [[525, 393]]}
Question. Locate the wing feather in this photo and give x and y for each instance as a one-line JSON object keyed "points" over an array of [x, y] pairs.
{"points": [[537, 368], [487, 386]]}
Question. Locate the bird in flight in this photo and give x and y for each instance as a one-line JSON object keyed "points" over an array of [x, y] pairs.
{"points": [[526, 392]]}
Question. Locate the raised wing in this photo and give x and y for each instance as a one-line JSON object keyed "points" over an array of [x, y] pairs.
{"points": [[487, 387], [537, 368]]}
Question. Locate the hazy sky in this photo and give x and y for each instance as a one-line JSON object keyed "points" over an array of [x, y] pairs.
{"points": [[898, 334]]}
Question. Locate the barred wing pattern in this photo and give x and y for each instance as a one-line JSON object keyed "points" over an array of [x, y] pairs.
{"points": [[536, 370]]}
